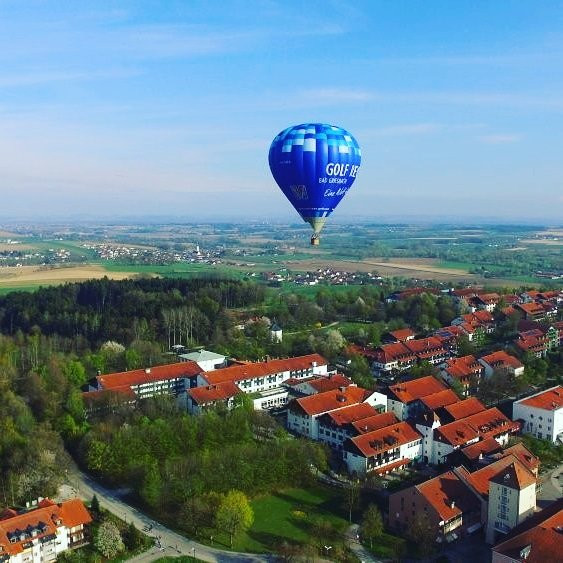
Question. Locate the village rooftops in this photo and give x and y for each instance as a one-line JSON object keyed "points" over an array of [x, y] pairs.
{"points": [[384, 439], [213, 393], [481, 478], [18, 529], [330, 382], [449, 496], [410, 391], [425, 345], [402, 334], [549, 400], [350, 414], [463, 409], [115, 381], [485, 447], [537, 539], [523, 454], [439, 399], [263, 369], [533, 309], [394, 352], [330, 400], [464, 367], [502, 360], [375, 422], [480, 425]]}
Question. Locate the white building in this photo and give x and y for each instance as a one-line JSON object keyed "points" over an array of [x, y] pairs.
{"points": [[382, 451], [503, 362], [404, 398], [206, 360], [303, 414], [43, 532], [542, 414]]}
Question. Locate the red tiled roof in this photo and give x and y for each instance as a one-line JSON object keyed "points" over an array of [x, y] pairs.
{"points": [[501, 359], [350, 414], [402, 334], [375, 422], [322, 384], [331, 400], [43, 519], [422, 345], [543, 540], [441, 398], [262, 369], [212, 393], [523, 454], [482, 424], [138, 376], [464, 408], [397, 351], [481, 478], [485, 447], [449, 496], [388, 438], [550, 400], [515, 476], [463, 367], [531, 308], [416, 389]]}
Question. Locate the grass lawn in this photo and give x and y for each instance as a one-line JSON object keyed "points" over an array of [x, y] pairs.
{"points": [[388, 546], [287, 516]]}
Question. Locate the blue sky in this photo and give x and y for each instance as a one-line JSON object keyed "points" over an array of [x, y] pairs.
{"points": [[168, 108]]}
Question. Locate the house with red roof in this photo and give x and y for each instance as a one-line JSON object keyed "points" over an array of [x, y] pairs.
{"points": [[484, 301], [303, 413], [466, 371], [403, 399], [507, 490], [383, 450], [501, 361], [313, 385], [42, 532], [400, 335], [445, 502], [444, 439], [541, 414], [533, 311], [536, 540]]}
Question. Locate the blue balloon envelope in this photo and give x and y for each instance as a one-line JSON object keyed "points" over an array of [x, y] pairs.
{"points": [[314, 164]]}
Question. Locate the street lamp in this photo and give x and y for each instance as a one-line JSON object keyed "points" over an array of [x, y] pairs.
{"points": [[193, 551]]}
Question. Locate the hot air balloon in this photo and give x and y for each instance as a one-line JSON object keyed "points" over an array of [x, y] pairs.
{"points": [[314, 164]]}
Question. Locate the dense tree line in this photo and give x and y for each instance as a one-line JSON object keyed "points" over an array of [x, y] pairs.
{"points": [[100, 310]]}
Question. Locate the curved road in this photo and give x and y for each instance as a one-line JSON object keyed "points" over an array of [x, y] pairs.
{"points": [[173, 544]]}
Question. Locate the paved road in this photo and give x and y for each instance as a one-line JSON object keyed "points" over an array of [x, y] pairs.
{"points": [[552, 486], [359, 550], [173, 544]]}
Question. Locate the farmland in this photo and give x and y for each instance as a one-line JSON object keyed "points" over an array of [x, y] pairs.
{"points": [[34, 255]]}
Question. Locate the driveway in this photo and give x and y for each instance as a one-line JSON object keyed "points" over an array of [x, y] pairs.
{"points": [[552, 486]]}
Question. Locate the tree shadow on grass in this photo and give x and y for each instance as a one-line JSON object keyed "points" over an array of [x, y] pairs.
{"points": [[267, 540]]}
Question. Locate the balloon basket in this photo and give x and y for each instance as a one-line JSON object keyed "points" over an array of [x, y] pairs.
{"points": [[315, 240]]}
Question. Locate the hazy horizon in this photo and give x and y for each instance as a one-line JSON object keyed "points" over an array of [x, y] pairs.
{"points": [[139, 109]]}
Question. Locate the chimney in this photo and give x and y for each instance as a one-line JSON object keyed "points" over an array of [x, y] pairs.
{"points": [[147, 370], [314, 364], [452, 504]]}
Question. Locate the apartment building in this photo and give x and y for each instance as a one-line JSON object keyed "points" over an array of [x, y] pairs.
{"points": [[542, 414], [404, 398], [43, 531]]}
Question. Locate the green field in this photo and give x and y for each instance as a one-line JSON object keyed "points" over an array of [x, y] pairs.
{"points": [[287, 516]]}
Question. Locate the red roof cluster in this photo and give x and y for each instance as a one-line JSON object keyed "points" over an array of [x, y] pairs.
{"points": [[481, 425], [211, 393], [440, 399], [402, 334], [350, 414], [463, 367], [322, 384], [375, 422], [125, 379], [410, 391], [263, 369], [383, 439], [330, 400]]}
